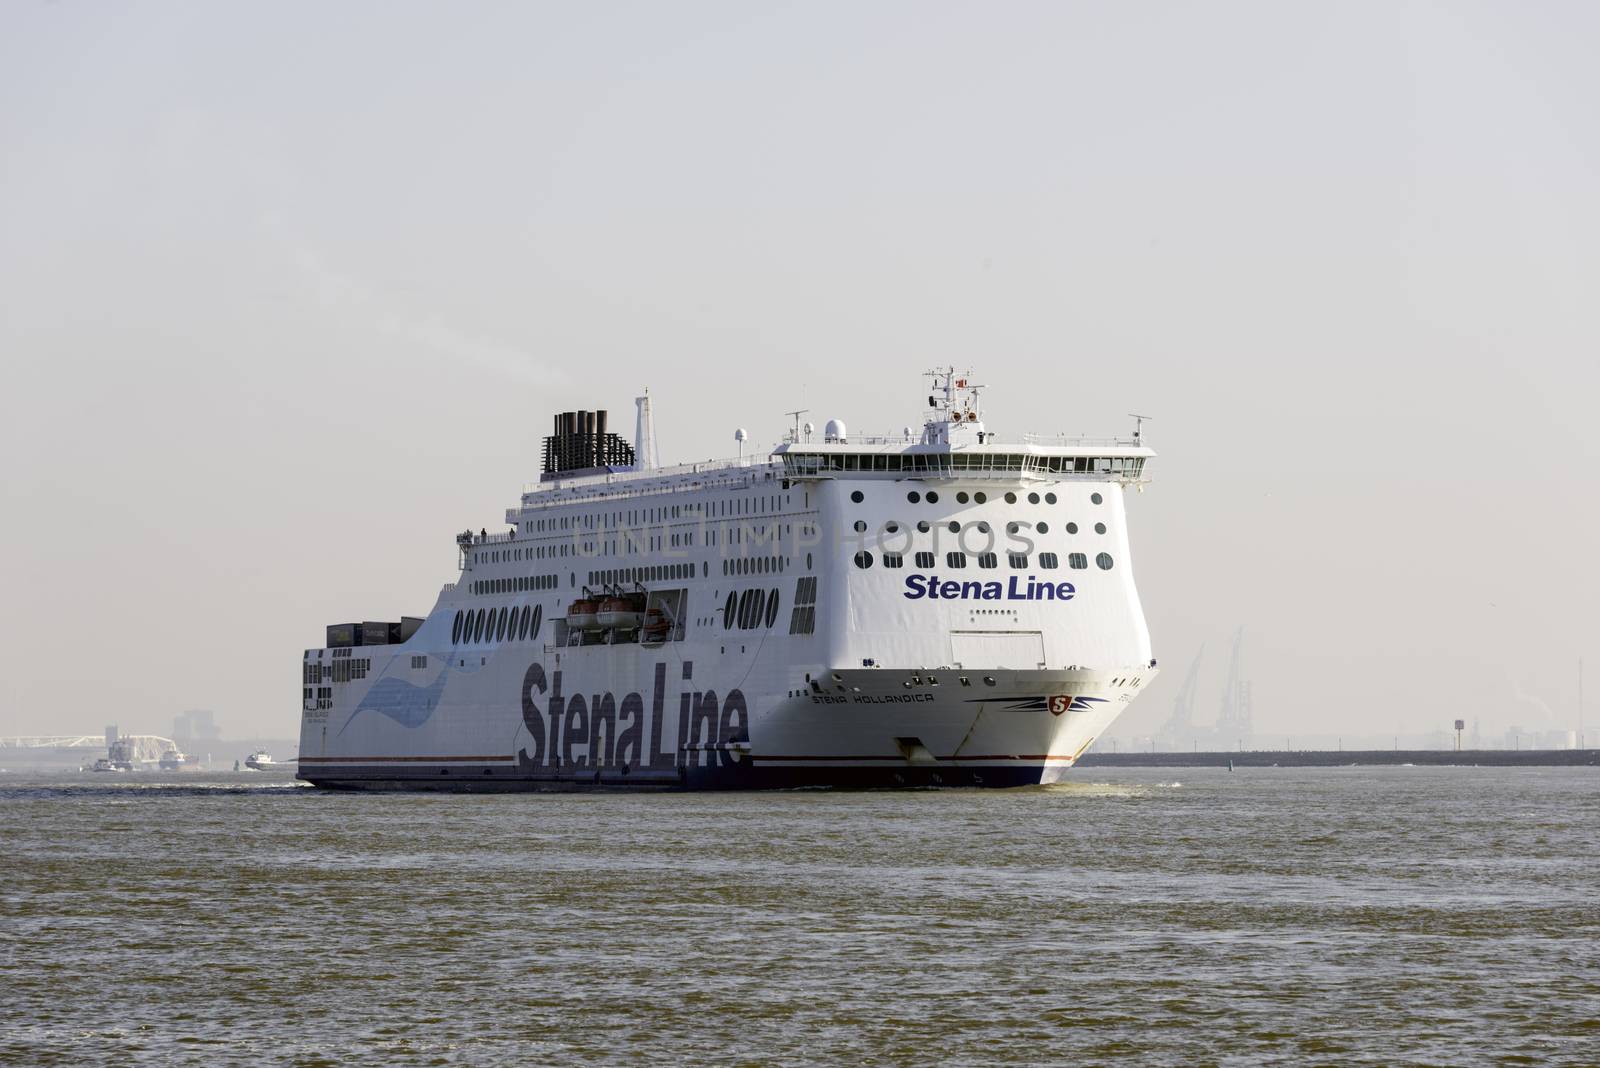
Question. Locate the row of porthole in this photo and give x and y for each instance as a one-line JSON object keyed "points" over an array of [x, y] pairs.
{"points": [[650, 573], [515, 584], [494, 625], [923, 527], [750, 609], [1018, 561], [932, 497]]}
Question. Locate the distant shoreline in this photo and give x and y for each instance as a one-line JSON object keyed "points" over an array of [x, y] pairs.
{"points": [[1331, 758]]}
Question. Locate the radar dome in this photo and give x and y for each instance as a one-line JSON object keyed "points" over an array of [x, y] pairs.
{"points": [[740, 435], [834, 431]]}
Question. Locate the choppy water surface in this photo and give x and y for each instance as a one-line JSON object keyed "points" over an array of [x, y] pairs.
{"points": [[1332, 915]]}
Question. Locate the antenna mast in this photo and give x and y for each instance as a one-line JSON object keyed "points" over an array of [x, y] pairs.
{"points": [[644, 434]]}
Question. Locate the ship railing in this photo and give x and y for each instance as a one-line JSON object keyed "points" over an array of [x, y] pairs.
{"points": [[734, 472], [1050, 441]]}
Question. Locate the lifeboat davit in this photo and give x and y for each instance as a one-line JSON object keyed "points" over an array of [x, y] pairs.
{"points": [[584, 614], [619, 613]]}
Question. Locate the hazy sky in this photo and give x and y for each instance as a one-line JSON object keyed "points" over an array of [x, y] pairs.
{"points": [[289, 291]]}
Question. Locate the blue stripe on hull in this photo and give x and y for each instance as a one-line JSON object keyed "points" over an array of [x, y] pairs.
{"points": [[506, 779]]}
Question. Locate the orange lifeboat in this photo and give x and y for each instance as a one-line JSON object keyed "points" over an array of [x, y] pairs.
{"points": [[618, 613], [584, 614]]}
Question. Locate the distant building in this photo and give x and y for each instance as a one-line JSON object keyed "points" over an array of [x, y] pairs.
{"points": [[195, 726]]}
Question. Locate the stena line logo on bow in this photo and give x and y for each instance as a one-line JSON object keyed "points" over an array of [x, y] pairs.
{"points": [[934, 588]]}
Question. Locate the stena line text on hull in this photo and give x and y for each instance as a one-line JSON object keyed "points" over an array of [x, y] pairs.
{"points": [[934, 607]]}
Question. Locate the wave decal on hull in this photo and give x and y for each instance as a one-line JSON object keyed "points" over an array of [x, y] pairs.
{"points": [[404, 702], [1054, 705]]}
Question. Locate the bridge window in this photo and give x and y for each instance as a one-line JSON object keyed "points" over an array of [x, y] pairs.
{"points": [[727, 612], [455, 629], [772, 607]]}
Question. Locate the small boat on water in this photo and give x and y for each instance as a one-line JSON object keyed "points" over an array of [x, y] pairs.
{"points": [[104, 764], [173, 760], [260, 760]]}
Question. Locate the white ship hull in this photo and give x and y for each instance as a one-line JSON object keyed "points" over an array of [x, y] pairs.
{"points": [[827, 628]]}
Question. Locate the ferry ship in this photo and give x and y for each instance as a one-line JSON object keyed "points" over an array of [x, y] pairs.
{"points": [[940, 607]]}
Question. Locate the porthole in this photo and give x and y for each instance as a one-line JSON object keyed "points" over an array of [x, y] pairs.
{"points": [[857, 496], [1011, 498], [961, 498], [1033, 498], [1104, 561], [988, 680], [913, 496], [1043, 528], [772, 607], [455, 629], [933, 498], [1099, 528], [1012, 528], [983, 528], [922, 526], [808, 561], [1072, 528], [863, 559], [891, 527], [979, 498], [861, 526], [727, 612], [1049, 498], [1096, 498]]}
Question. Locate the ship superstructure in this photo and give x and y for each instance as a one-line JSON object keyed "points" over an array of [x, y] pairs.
{"points": [[934, 607]]}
